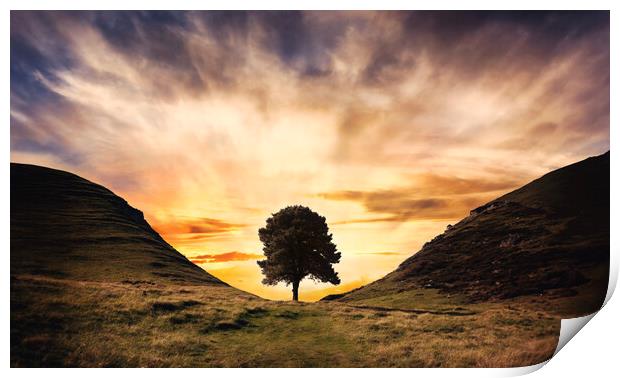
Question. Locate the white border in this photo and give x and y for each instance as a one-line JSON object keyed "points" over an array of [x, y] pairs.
{"points": [[592, 353]]}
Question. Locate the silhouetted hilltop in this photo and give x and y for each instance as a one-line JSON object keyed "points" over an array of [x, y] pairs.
{"points": [[64, 226]]}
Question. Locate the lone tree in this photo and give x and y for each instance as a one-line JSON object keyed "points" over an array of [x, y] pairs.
{"points": [[297, 244]]}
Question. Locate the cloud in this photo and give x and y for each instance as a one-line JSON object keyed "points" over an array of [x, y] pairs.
{"points": [[224, 257], [400, 87], [189, 229], [210, 226], [463, 78], [454, 197], [432, 184]]}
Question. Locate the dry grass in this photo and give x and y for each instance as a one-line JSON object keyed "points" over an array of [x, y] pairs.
{"points": [[57, 322]]}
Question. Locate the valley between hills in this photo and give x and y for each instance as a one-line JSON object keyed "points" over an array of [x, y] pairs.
{"points": [[93, 285]]}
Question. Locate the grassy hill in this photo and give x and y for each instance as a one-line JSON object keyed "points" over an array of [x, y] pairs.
{"points": [[64, 226], [92, 285], [546, 242]]}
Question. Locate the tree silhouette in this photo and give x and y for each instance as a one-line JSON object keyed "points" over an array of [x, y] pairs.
{"points": [[297, 244]]}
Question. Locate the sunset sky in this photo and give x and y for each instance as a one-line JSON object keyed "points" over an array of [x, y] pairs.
{"points": [[392, 125]]}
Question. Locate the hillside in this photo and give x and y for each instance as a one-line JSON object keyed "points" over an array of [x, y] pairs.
{"points": [[548, 239], [63, 226]]}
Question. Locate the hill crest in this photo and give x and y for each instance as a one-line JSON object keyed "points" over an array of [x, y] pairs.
{"points": [[64, 226], [548, 238]]}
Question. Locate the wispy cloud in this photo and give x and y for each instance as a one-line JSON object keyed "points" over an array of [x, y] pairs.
{"points": [[191, 229], [431, 197]]}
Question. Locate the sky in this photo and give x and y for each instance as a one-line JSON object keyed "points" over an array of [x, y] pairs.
{"points": [[392, 125]]}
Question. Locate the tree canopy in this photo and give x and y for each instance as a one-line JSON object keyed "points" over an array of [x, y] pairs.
{"points": [[297, 244]]}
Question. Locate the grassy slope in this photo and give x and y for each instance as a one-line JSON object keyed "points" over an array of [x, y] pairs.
{"points": [[64, 226], [60, 322], [546, 243]]}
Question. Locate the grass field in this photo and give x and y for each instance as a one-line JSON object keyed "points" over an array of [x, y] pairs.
{"points": [[59, 322]]}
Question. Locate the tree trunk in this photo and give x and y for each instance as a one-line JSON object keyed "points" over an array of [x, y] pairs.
{"points": [[296, 291]]}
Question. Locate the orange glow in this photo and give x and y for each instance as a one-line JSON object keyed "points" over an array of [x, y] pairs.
{"points": [[390, 141]]}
